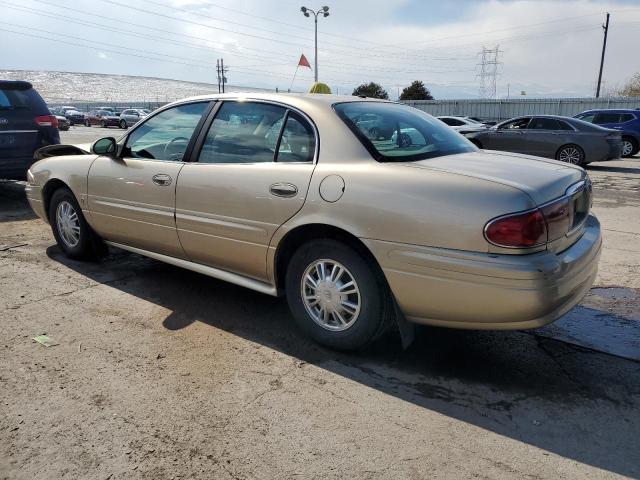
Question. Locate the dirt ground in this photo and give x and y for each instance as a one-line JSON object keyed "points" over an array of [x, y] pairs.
{"points": [[160, 373]]}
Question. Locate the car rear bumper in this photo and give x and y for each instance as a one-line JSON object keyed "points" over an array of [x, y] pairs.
{"points": [[470, 290]]}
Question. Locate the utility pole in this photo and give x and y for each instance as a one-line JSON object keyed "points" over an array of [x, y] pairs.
{"points": [[489, 71], [605, 27], [218, 73], [221, 71]]}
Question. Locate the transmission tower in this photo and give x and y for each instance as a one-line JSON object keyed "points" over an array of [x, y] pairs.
{"points": [[489, 71]]}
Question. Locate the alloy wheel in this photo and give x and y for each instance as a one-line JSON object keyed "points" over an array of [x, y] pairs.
{"points": [[68, 224], [627, 148], [570, 155], [330, 295]]}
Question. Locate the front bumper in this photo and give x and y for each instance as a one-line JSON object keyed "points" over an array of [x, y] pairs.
{"points": [[458, 289]]}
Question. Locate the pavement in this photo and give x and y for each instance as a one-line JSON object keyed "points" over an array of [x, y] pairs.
{"points": [[159, 373]]}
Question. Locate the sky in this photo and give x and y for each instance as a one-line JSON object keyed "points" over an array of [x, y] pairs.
{"points": [[547, 48]]}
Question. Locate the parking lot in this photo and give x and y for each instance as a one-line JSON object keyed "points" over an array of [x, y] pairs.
{"points": [[160, 373]]}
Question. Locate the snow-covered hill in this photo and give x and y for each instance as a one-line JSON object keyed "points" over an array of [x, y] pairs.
{"points": [[72, 87]]}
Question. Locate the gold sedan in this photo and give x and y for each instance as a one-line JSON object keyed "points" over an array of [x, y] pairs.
{"points": [[367, 214]]}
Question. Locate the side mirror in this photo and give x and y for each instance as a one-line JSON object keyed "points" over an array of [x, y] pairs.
{"points": [[104, 146]]}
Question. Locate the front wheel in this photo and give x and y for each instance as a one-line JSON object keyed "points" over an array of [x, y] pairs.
{"points": [[572, 154], [70, 229], [103, 124], [87, 123], [338, 297], [629, 147], [123, 124]]}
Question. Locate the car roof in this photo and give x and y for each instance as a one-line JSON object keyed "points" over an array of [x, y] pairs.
{"points": [[293, 99], [613, 110]]}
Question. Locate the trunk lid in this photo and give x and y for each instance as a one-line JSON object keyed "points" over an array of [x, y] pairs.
{"points": [[542, 179]]}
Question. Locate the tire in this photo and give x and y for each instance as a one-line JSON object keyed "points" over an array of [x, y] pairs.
{"points": [[359, 325], [103, 124], [87, 123], [572, 154], [629, 147], [123, 124], [88, 244]]}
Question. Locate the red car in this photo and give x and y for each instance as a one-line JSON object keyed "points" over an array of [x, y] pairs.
{"points": [[104, 118]]}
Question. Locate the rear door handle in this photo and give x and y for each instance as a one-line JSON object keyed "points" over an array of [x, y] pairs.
{"points": [[283, 190], [161, 179]]}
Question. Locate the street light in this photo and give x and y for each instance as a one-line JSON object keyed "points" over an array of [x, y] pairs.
{"points": [[324, 11]]}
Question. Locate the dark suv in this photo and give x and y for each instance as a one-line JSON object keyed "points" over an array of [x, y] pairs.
{"points": [[627, 121], [25, 125]]}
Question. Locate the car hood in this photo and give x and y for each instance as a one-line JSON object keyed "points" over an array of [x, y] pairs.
{"points": [[542, 179]]}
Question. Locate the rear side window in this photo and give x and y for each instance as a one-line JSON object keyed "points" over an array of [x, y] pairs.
{"points": [[603, 118], [544, 124], [626, 117], [298, 142], [393, 132]]}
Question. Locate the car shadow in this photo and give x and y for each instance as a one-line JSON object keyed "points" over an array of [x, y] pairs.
{"points": [[14, 202], [567, 400]]}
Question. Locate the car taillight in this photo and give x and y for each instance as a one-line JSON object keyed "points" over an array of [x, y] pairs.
{"points": [[46, 121], [521, 230], [559, 218]]}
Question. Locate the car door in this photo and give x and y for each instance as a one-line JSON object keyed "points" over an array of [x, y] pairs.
{"points": [[131, 198], [543, 137], [251, 173], [507, 136]]}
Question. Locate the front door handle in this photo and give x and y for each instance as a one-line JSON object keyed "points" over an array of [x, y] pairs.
{"points": [[161, 179], [283, 190]]}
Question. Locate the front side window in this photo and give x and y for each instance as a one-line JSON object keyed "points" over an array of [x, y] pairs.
{"points": [[586, 117], [243, 132], [165, 136], [544, 124], [517, 124], [402, 133]]}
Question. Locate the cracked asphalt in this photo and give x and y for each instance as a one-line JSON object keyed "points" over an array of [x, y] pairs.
{"points": [[161, 373]]}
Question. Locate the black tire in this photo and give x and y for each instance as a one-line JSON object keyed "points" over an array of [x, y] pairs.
{"points": [[103, 124], [577, 160], [123, 124], [89, 245], [376, 308], [634, 147], [87, 123]]}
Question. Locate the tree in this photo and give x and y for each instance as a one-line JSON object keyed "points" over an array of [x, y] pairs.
{"points": [[631, 88], [371, 90], [416, 91]]}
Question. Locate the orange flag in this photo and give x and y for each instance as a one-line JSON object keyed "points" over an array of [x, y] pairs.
{"points": [[303, 62]]}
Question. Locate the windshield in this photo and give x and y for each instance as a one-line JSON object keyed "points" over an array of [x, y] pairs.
{"points": [[393, 132]]}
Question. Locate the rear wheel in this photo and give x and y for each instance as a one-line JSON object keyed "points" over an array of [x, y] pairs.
{"points": [[87, 123], [123, 124], [336, 296], [572, 154], [70, 229], [629, 147], [103, 124]]}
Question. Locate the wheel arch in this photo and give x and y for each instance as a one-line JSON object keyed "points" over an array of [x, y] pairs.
{"points": [[314, 231], [49, 189]]}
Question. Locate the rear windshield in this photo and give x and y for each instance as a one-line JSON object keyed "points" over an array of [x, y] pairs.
{"points": [[398, 133], [11, 98]]}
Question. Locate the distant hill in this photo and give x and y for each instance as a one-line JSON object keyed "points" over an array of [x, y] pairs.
{"points": [[72, 87]]}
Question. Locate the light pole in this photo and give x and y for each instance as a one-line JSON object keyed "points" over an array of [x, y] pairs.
{"points": [[324, 11]]}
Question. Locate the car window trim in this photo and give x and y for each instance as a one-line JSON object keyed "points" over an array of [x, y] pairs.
{"points": [[122, 141], [195, 154]]}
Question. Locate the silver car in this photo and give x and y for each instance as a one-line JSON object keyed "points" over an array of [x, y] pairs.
{"points": [[566, 139], [463, 125], [132, 116]]}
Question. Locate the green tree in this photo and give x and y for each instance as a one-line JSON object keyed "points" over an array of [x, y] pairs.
{"points": [[416, 91], [371, 90], [631, 88]]}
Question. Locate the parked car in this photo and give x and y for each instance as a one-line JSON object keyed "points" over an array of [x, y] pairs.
{"points": [[132, 116], [627, 121], [25, 125], [488, 123], [109, 109], [563, 138], [104, 118], [463, 124], [75, 117], [359, 233], [63, 123]]}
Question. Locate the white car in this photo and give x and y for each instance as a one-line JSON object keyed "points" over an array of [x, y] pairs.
{"points": [[463, 124]]}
